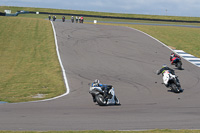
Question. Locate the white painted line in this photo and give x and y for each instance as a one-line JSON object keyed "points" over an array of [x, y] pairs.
{"points": [[178, 50], [197, 63], [187, 56], [152, 38], [190, 59]]}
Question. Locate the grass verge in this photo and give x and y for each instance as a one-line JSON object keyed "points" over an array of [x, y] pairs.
{"points": [[29, 64]]}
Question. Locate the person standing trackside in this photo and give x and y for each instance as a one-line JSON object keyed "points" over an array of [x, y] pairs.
{"points": [[54, 18], [72, 19], [76, 19], [49, 17], [63, 18], [81, 21]]}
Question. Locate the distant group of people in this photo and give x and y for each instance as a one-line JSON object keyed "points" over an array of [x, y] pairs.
{"points": [[54, 18], [78, 19]]}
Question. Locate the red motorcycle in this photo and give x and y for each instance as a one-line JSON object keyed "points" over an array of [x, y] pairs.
{"points": [[176, 60]]}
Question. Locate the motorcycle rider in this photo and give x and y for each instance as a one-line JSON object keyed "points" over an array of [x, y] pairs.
{"points": [[81, 20], [49, 17], [104, 87], [173, 56], [63, 18], [76, 19], [165, 70], [72, 19], [54, 18]]}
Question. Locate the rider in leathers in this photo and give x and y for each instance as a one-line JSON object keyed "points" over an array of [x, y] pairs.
{"points": [[173, 56], [164, 70], [104, 87]]}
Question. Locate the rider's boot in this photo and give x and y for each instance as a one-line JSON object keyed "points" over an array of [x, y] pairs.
{"points": [[105, 94]]}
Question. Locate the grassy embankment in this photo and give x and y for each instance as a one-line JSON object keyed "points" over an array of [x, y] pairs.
{"points": [[29, 64]]}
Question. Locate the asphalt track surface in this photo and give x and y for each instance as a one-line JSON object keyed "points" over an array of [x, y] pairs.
{"points": [[128, 60]]}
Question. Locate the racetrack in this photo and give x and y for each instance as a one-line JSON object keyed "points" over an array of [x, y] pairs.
{"points": [[128, 60]]}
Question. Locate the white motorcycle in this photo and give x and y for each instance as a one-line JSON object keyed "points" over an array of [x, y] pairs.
{"points": [[171, 80], [99, 96]]}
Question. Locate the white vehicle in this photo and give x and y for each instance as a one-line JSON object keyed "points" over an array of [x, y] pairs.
{"points": [[171, 80], [99, 96]]}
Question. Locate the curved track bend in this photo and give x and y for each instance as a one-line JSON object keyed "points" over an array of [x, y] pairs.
{"points": [[128, 60]]}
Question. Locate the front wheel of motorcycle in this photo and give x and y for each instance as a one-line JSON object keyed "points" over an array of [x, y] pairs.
{"points": [[100, 100], [117, 101]]}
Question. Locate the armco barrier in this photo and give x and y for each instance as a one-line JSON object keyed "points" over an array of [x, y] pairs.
{"points": [[2, 14], [17, 13]]}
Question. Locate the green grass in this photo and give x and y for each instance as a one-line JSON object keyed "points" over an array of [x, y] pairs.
{"points": [[99, 131], [29, 63]]}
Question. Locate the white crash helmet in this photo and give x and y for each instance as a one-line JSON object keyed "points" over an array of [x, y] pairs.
{"points": [[96, 81]]}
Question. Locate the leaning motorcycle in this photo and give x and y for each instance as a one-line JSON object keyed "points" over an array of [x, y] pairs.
{"points": [[99, 96], [173, 82], [177, 62]]}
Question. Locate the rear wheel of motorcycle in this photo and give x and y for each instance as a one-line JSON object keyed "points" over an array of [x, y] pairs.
{"points": [[179, 65], [175, 88], [100, 100]]}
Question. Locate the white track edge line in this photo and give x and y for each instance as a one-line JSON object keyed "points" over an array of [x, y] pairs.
{"points": [[63, 71], [61, 65], [152, 38]]}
